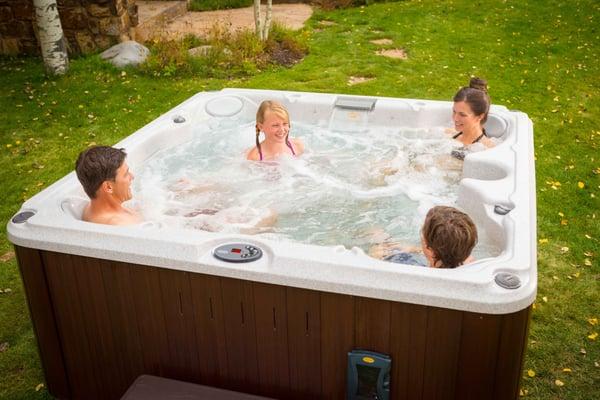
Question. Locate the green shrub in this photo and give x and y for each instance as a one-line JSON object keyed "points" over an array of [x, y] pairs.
{"points": [[231, 54]]}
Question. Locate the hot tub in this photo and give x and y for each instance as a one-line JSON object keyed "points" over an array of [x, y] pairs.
{"points": [[111, 303]]}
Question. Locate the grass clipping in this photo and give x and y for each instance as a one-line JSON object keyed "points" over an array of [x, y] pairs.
{"points": [[225, 54]]}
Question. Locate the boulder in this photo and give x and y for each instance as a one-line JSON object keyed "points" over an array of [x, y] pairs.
{"points": [[126, 53]]}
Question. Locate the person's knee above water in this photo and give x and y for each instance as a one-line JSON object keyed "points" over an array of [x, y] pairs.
{"points": [[273, 120], [106, 179], [469, 113], [448, 237]]}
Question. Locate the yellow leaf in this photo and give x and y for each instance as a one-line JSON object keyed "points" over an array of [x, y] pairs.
{"points": [[587, 262], [542, 241], [39, 387], [567, 370], [558, 382], [581, 185], [593, 321], [593, 336], [531, 373]]}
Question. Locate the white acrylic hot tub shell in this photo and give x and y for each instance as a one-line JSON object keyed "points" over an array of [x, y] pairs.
{"points": [[503, 175]]}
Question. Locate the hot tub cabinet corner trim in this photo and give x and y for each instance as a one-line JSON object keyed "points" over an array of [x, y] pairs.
{"points": [[101, 323]]}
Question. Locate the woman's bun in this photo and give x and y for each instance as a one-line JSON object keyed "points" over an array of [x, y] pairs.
{"points": [[478, 83]]}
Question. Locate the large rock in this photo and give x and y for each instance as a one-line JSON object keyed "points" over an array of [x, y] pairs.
{"points": [[126, 53]]}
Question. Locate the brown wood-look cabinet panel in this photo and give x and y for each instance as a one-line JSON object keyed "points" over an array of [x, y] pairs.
{"points": [[513, 341], [98, 325], [477, 358], [337, 339], [44, 323], [150, 318], [407, 348], [121, 309], [441, 354], [304, 341], [179, 318], [101, 323], [372, 322], [69, 312], [210, 328], [240, 335], [272, 339]]}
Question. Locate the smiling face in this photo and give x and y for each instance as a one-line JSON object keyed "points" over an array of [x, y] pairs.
{"points": [[121, 186], [464, 118], [275, 126]]}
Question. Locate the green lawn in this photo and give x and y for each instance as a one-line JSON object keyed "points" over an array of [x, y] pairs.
{"points": [[540, 57]]}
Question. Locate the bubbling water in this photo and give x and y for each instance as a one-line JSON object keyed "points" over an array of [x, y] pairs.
{"points": [[348, 188]]}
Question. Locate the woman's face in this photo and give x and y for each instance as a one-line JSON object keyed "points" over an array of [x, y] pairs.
{"points": [[275, 127], [464, 118]]}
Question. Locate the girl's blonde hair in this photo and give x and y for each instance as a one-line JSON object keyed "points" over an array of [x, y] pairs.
{"points": [[274, 107]]}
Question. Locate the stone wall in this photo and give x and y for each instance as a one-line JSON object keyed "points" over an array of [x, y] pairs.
{"points": [[89, 25]]}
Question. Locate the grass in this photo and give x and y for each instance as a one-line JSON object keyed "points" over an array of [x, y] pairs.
{"points": [[208, 5], [539, 57]]}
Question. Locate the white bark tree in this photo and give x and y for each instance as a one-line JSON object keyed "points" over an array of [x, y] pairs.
{"points": [[262, 27], [52, 39]]}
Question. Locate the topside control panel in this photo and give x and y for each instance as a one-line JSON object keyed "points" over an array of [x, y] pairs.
{"points": [[237, 252]]}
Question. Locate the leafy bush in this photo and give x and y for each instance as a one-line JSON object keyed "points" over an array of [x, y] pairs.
{"points": [[226, 55]]}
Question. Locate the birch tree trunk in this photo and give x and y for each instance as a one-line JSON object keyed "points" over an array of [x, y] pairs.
{"points": [[52, 40], [262, 28], [267, 23], [257, 19]]}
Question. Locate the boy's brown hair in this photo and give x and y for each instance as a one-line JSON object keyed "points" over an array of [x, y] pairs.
{"points": [[96, 165], [450, 234]]}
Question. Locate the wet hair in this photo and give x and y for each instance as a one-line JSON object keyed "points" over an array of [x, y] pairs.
{"points": [[277, 109], [450, 234], [96, 165], [476, 96]]}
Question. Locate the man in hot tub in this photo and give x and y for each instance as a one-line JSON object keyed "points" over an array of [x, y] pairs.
{"points": [[106, 179]]}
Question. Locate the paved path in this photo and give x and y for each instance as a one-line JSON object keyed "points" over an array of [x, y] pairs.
{"points": [[198, 23]]}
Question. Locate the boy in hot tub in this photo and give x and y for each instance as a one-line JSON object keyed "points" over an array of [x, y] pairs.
{"points": [[447, 238], [106, 179]]}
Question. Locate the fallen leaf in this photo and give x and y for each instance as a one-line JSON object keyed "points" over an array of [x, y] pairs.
{"points": [[7, 256], [567, 370], [593, 336], [558, 382], [545, 299], [39, 387], [581, 185], [564, 249], [542, 241], [3, 347], [593, 321], [583, 351], [530, 373]]}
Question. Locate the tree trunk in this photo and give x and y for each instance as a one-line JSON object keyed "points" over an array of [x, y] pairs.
{"points": [[52, 39], [257, 19], [262, 28], [267, 24]]}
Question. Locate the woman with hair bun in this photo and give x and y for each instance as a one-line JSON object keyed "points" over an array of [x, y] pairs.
{"points": [[469, 113]]}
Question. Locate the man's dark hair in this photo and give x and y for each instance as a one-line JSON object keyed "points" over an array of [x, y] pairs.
{"points": [[96, 165], [451, 234]]}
